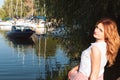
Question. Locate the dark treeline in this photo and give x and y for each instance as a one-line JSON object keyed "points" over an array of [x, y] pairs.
{"points": [[82, 12], [85, 12]]}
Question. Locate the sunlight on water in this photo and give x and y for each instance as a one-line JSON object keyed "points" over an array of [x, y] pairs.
{"points": [[25, 62]]}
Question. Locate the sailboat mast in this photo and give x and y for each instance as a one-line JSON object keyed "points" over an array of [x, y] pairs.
{"points": [[44, 8], [21, 9], [11, 9], [16, 9], [32, 7]]}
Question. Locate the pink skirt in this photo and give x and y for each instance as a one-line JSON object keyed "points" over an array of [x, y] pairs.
{"points": [[80, 76]]}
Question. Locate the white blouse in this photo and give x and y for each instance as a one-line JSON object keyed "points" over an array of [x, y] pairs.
{"points": [[85, 64]]}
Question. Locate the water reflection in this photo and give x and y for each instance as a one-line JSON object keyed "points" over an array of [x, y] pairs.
{"points": [[20, 47], [39, 58], [53, 60]]}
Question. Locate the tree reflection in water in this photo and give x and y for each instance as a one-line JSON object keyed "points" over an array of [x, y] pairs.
{"points": [[51, 65]]}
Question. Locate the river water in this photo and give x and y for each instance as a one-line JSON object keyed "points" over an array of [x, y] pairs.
{"points": [[41, 58]]}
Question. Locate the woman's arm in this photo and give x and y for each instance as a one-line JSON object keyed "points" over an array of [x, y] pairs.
{"points": [[95, 63], [72, 71], [75, 68]]}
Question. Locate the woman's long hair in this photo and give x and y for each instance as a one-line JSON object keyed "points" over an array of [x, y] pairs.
{"points": [[112, 38]]}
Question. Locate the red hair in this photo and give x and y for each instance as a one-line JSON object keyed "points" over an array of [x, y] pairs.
{"points": [[112, 38]]}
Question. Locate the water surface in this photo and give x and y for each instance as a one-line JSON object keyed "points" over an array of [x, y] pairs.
{"points": [[44, 58]]}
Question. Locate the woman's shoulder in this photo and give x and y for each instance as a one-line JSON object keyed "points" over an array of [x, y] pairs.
{"points": [[100, 45]]}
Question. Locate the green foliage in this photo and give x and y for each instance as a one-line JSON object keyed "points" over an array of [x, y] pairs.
{"points": [[81, 11], [14, 8], [2, 13], [87, 12]]}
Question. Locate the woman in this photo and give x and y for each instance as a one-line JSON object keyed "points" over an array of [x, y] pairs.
{"points": [[103, 50]]}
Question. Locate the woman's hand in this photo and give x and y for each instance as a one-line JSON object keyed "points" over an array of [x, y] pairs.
{"points": [[72, 71]]}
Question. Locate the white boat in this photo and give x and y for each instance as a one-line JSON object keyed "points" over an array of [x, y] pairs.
{"points": [[40, 27], [5, 25]]}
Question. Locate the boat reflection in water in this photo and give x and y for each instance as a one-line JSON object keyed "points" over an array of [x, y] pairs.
{"points": [[22, 41], [21, 46]]}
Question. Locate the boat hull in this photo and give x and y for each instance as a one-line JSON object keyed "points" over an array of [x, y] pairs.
{"points": [[20, 34]]}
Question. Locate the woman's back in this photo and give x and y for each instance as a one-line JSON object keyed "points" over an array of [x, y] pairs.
{"points": [[85, 64]]}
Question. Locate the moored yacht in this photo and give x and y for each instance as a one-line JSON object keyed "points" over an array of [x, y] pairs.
{"points": [[20, 32]]}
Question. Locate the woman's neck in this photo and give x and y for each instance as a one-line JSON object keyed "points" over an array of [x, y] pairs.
{"points": [[100, 41]]}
